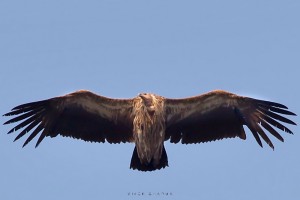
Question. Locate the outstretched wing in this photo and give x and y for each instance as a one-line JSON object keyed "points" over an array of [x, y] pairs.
{"points": [[219, 114], [81, 115]]}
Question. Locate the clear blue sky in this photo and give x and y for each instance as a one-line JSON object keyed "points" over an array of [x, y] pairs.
{"points": [[173, 48]]}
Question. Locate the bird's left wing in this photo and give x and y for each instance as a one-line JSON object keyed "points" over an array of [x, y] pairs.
{"points": [[219, 114], [81, 115]]}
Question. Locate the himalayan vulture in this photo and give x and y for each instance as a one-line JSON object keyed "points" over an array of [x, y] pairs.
{"points": [[149, 120]]}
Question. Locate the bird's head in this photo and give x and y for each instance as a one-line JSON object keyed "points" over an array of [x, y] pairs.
{"points": [[147, 99], [149, 102]]}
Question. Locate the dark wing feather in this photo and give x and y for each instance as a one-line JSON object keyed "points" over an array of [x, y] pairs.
{"points": [[81, 115], [217, 115]]}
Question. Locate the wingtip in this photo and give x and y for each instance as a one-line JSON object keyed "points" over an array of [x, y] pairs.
{"points": [[288, 131], [7, 114], [271, 103], [7, 122], [292, 113], [290, 122], [26, 142], [37, 144], [272, 146], [12, 130]]}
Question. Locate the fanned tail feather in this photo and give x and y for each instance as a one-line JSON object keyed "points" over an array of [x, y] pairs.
{"points": [[136, 163]]}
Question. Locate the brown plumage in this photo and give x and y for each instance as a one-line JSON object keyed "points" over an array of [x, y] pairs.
{"points": [[148, 120]]}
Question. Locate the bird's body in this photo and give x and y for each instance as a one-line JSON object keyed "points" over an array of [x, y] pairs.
{"points": [[149, 127], [149, 120]]}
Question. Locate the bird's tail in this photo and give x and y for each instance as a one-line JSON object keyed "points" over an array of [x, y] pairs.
{"points": [[136, 163]]}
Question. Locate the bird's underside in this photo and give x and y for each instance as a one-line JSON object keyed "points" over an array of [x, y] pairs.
{"points": [[149, 120]]}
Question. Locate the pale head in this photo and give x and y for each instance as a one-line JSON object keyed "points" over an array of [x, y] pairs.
{"points": [[147, 98]]}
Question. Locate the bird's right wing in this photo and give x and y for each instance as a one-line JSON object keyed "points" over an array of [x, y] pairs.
{"points": [[81, 115], [218, 115]]}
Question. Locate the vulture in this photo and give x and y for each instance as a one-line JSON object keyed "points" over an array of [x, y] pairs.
{"points": [[148, 120]]}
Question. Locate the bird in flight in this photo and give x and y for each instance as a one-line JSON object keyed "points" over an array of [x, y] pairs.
{"points": [[149, 120]]}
